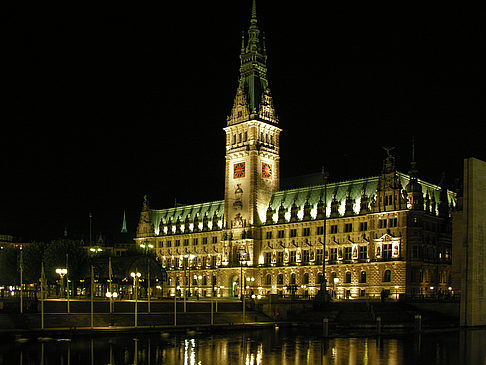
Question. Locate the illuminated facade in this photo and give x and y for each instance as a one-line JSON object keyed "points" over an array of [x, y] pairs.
{"points": [[389, 232]]}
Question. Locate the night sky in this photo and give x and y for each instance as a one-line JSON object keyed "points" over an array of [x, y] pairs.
{"points": [[100, 106]]}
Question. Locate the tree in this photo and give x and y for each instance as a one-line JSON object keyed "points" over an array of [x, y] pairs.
{"points": [[55, 257], [9, 266], [32, 257]]}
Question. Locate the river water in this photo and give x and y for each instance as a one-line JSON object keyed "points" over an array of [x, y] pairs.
{"points": [[269, 346]]}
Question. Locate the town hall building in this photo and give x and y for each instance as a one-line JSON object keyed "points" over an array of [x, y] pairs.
{"points": [[389, 233]]}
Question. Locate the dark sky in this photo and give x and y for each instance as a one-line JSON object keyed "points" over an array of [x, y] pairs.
{"points": [[100, 106]]}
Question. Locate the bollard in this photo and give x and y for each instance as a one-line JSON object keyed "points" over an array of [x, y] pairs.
{"points": [[418, 323], [378, 325], [325, 327]]}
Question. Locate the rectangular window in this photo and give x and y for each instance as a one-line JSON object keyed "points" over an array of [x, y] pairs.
{"points": [[280, 257], [281, 234], [305, 256], [292, 257], [169, 243], [387, 251], [268, 258], [363, 252], [347, 253], [393, 222], [333, 256], [186, 242], [382, 223], [269, 235], [293, 232], [319, 256], [320, 230], [363, 226], [204, 240], [213, 261], [177, 243], [194, 241], [306, 231], [348, 227], [215, 239], [334, 228]]}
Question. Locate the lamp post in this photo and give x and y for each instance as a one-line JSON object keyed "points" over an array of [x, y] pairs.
{"points": [[396, 292], [189, 259], [61, 272], [21, 284], [146, 248], [135, 275], [242, 282], [67, 281]]}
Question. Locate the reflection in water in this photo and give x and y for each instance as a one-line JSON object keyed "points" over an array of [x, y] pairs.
{"points": [[286, 346]]}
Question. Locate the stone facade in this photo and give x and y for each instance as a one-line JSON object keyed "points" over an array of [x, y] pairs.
{"points": [[469, 245], [389, 232]]}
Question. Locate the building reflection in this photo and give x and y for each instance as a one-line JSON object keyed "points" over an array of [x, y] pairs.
{"points": [[253, 348]]}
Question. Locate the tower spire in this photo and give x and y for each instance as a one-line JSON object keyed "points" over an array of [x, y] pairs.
{"points": [[413, 172], [253, 98], [253, 11], [124, 224]]}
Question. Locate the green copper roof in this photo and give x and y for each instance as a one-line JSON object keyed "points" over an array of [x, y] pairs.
{"points": [[340, 191], [337, 191], [190, 212]]}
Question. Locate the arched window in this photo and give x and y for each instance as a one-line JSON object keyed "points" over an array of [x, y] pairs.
{"points": [[268, 279], [306, 278], [280, 279], [387, 276], [348, 277], [362, 277], [292, 278]]}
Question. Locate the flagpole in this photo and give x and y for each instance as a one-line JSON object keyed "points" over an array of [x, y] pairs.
{"points": [[21, 273], [92, 289], [109, 279], [42, 294], [67, 281]]}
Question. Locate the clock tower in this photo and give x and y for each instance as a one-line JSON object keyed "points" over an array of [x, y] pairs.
{"points": [[252, 139]]}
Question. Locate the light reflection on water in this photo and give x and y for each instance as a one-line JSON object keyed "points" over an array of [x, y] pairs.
{"points": [[283, 347]]}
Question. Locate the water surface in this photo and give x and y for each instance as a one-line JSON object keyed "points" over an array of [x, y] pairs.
{"points": [[283, 346]]}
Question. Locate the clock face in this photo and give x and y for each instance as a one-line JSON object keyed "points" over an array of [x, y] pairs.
{"points": [[266, 170], [239, 170]]}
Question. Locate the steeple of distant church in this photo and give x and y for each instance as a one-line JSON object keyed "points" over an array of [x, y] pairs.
{"points": [[253, 99], [124, 224]]}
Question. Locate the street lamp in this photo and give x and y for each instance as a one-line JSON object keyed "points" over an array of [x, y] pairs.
{"points": [[396, 292], [189, 259], [135, 275], [61, 272]]}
